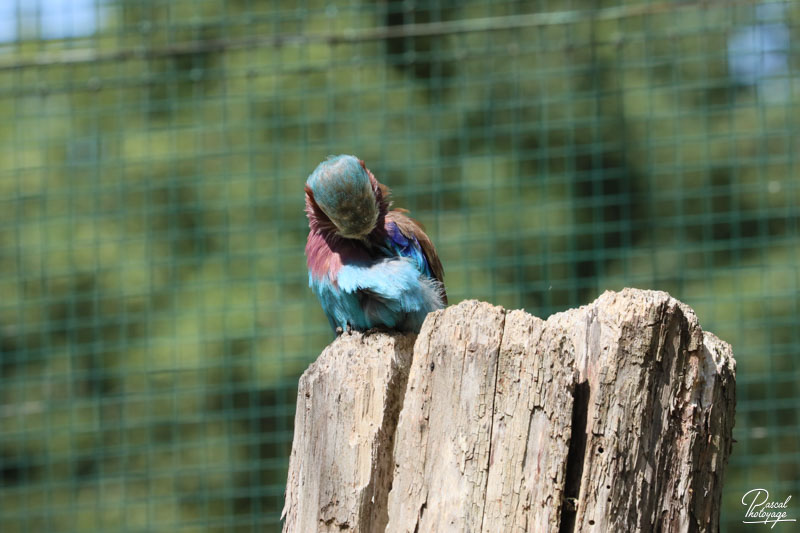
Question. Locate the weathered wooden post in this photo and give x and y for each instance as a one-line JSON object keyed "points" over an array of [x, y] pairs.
{"points": [[616, 416]]}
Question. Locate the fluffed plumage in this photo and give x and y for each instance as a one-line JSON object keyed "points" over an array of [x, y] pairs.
{"points": [[369, 265]]}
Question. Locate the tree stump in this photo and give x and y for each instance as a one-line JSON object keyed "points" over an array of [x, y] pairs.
{"points": [[616, 416]]}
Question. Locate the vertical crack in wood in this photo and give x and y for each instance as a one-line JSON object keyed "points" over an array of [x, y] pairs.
{"points": [[575, 458], [374, 510], [491, 424]]}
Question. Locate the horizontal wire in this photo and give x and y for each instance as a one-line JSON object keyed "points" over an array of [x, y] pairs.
{"points": [[348, 36]]}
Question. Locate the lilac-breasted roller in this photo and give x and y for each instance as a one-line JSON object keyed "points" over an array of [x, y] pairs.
{"points": [[369, 265]]}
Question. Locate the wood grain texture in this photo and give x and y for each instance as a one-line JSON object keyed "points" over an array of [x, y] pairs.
{"points": [[442, 457], [347, 407], [616, 416]]}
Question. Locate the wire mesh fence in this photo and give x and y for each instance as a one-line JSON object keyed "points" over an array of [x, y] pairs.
{"points": [[154, 308]]}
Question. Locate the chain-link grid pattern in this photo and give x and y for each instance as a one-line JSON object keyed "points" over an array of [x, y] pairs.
{"points": [[154, 309]]}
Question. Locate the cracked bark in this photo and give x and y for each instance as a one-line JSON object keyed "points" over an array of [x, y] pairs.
{"points": [[614, 416]]}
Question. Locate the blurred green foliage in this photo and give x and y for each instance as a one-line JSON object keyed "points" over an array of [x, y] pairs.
{"points": [[154, 313]]}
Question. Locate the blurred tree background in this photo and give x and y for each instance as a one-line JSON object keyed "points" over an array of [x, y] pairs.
{"points": [[154, 309]]}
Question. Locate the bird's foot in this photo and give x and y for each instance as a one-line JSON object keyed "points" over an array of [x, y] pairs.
{"points": [[339, 330]]}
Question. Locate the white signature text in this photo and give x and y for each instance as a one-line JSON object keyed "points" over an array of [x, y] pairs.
{"points": [[760, 510]]}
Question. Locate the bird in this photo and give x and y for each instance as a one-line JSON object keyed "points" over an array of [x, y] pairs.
{"points": [[370, 265]]}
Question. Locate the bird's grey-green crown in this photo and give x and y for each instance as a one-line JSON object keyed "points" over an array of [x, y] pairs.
{"points": [[342, 189]]}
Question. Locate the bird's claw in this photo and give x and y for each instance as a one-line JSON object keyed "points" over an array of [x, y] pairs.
{"points": [[340, 330]]}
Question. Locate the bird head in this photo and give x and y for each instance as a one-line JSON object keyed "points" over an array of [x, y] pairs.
{"points": [[343, 189]]}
